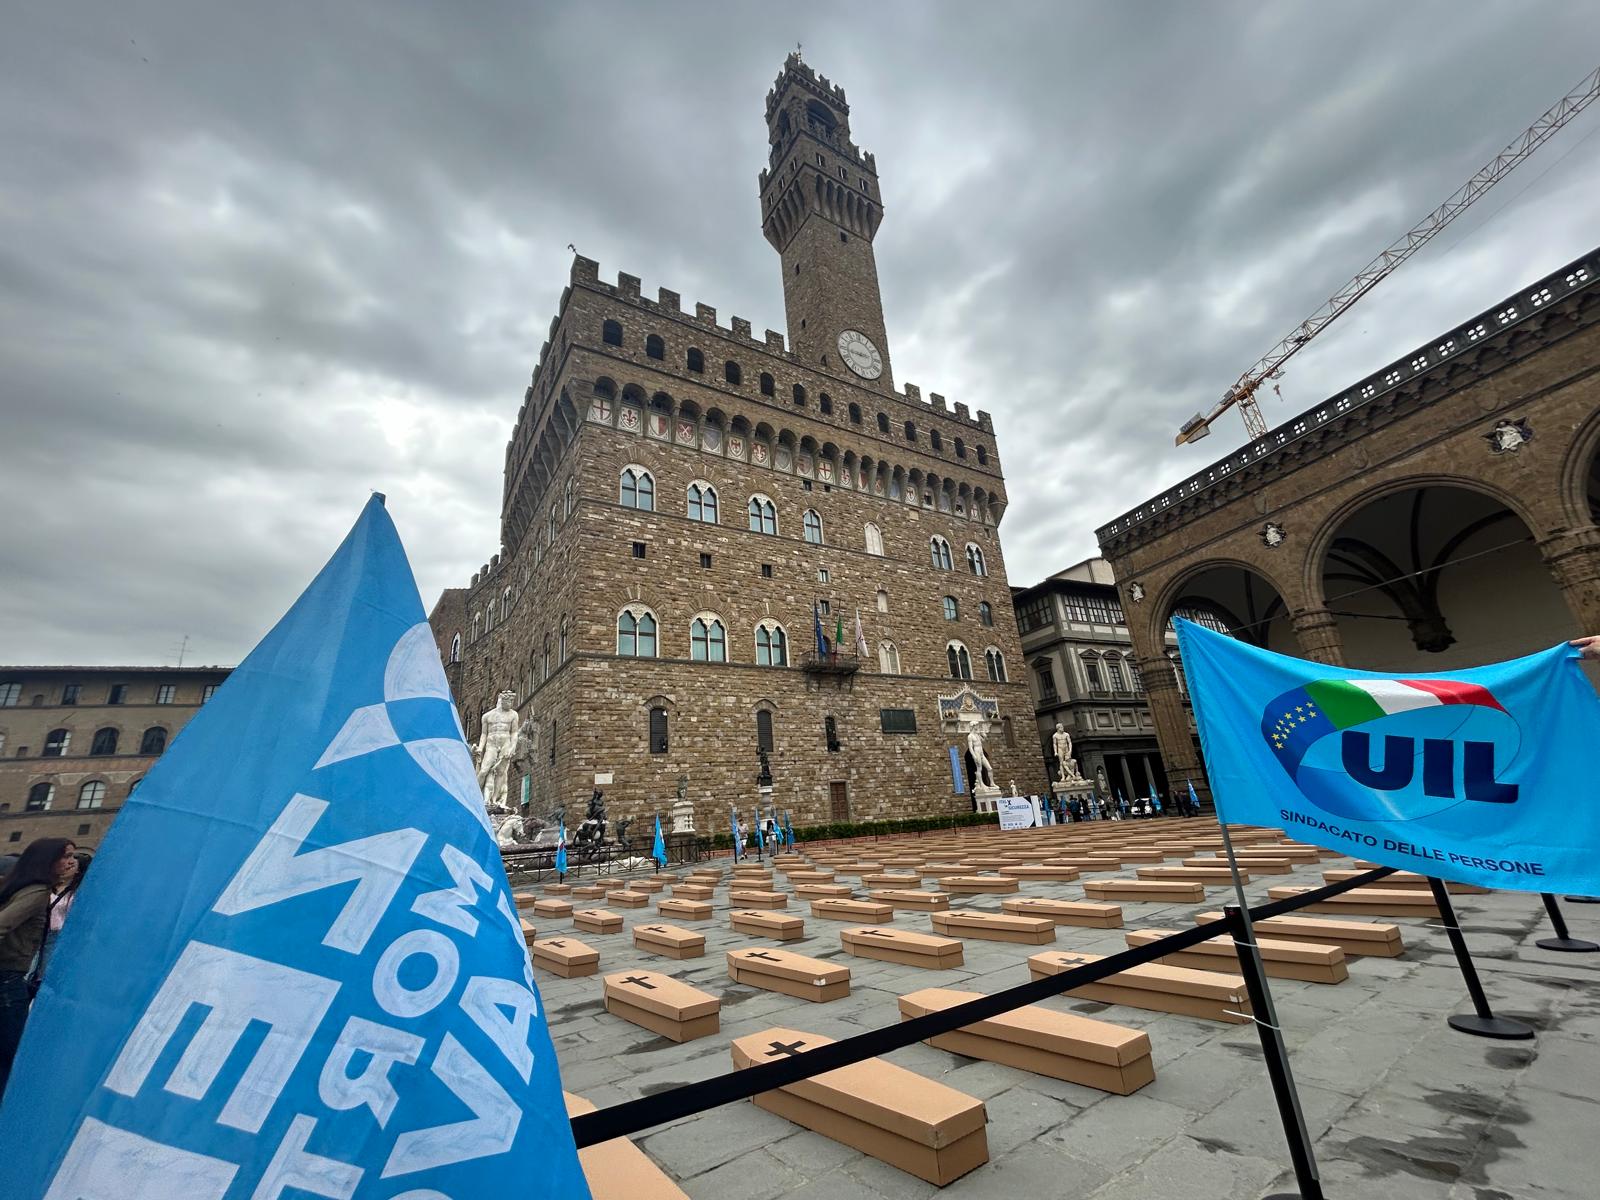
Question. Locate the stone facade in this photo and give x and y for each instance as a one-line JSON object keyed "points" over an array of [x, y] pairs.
{"points": [[1497, 418], [630, 389], [75, 788]]}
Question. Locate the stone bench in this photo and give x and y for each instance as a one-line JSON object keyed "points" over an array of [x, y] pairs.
{"points": [[1216, 877], [1367, 901], [1256, 866], [1040, 871], [903, 946], [824, 891], [628, 899], [851, 910], [619, 1170], [566, 957], [767, 924], [1065, 912], [915, 899], [974, 885], [670, 941], [1407, 881], [1209, 995], [754, 898], [789, 973], [1144, 889], [1304, 961], [692, 891], [1061, 1045], [590, 891], [662, 1005], [994, 927], [597, 920], [1370, 939], [684, 909], [919, 1125], [552, 908]]}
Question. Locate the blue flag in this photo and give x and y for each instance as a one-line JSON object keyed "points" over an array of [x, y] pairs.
{"points": [[733, 822], [561, 849], [788, 826], [1483, 775], [822, 640], [1155, 800], [659, 850], [1194, 800], [297, 968]]}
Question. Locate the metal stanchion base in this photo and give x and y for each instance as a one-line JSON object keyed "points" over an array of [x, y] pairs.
{"points": [[1582, 899], [1502, 1028], [1569, 945]]}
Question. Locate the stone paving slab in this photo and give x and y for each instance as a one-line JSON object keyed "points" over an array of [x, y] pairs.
{"points": [[1399, 1104]]}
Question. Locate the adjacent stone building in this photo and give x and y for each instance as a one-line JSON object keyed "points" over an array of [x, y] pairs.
{"points": [[75, 741], [682, 496], [1443, 511]]}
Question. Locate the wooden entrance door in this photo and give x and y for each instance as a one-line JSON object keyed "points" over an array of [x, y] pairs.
{"points": [[839, 795]]}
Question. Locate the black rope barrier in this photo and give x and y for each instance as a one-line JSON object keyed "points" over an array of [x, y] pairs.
{"points": [[646, 1112]]}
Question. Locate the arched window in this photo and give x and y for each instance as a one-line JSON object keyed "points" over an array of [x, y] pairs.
{"points": [[960, 661], [952, 610], [983, 457], [939, 551], [477, 625], [56, 743], [105, 742], [985, 613], [696, 360], [812, 524], [569, 497], [455, 648], [154, 741], [975, 562], [935, 440], [636, 633], [708, 641], [911, 431], [825, 403], [638, 489], [611, 333], [605, 388], [763, 515], [772, 645], [888, 658], [703, 503], [544, 666], [92, 794], [830, 734], [874, 539], [883, 422], [799, 396], [883, 600], [39, 797], [961, 448], [855, 414], [996, 664], [658, 731], [764, 730], [768, 388], [505, 603], [655, 348], [731, 372], [562, 644], [553, 523]]}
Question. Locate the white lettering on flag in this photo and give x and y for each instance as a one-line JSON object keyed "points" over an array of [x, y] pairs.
{"points": [[448, 906], [294, 1167], [107, 1163], [384, 1047], [492, 1129]]}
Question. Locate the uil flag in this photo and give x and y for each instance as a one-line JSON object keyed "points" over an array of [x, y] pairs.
{"points": [[297, 968], [1483, 775], [659, 850], [1155, 800], [561, 849], [733, 822]]}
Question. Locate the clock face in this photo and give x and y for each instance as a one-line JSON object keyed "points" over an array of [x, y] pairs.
{"points": [[860, 355]]}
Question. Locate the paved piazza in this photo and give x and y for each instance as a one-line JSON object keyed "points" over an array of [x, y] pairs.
{"points": [[1399, 1105]]}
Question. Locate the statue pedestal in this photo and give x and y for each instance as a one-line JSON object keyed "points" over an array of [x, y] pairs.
{"points": [[1082, 789], [986, 797], [683, 816]]}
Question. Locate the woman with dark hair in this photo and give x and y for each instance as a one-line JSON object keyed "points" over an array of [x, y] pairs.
{"points": [[25, 897]]}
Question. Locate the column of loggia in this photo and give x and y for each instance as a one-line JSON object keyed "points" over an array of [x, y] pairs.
{"points": [[1573, 559], [1317, 631], [1173, 734]]}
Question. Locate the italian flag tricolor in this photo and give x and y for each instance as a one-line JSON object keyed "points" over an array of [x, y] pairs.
{"points": [[1347, 702]]}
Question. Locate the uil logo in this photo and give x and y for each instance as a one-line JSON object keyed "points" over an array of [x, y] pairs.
{"points": [[1394, 749]]}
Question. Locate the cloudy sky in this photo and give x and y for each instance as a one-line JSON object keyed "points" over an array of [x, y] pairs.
{"points": [[256, 261]]}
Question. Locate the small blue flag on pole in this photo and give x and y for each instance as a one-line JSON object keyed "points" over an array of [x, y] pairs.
{"points": [[1194, 800], [659, 850], [788, 825], [561, 849], [297, 966], [1482, 775], [1155, 800], [733, 823]]}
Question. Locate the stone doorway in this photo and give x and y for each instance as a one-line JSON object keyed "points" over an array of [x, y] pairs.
{"points": [[839, 800]]}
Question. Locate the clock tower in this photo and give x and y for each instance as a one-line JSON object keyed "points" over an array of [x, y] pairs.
{"points": [[820, 208]]}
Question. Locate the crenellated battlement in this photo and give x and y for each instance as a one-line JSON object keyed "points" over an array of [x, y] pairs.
{"points": [[798, 66]]}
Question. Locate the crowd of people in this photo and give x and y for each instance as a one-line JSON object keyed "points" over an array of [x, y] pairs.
{"points": [[36, 895]]}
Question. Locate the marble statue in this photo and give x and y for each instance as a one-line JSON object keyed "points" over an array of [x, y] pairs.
{"points": [[1101, 781], [1061, 742], [498, 743], [982, 769]]}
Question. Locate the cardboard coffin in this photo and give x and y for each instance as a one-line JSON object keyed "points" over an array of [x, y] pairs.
{"points": [[619, 1170], [789, 973], [566, 957], [552, 908], [1304, 961], [662, 1004], [860, 868], [558, 889], [916, 899], [1040, 871], [755, 898], [628, 899], [597, 920], [1371, 939], [1407, 881], [994, 927], [767, 924], [1140, 854], [1215, 876], [590, 891], [911, 1122], [1257, 866], [647, 885], [813, 875], [1143, 889], [1367, 901], [1205, 994], [529, 933], [823, 891], [974, 885], [851, 910], [692, 891], [903, 946], [891, 879], [684, 910], [669, 940], [1061, 1045], [1065, 912], [525, 899]]}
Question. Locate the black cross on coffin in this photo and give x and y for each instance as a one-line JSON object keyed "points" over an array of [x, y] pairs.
{"points": [[781, 1048], [640, 981], [559, 945], [654, 929], [1065, 961], [763, 955], [878, 932]]}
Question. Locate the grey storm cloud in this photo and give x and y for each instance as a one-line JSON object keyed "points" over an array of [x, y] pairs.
{"points": [[258, 260]]}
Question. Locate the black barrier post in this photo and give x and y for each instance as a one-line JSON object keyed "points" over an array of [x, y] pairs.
{"points": [[1562, 941], [1277, 1056], [1481, 1022], [1583, 899]]}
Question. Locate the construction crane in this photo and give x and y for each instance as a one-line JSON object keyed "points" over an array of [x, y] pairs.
{"points": [[1242, 395]]}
